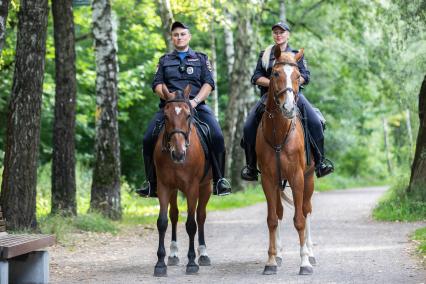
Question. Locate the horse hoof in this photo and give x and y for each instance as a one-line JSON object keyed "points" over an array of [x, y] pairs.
{"points": [[192, 269], [204, 260], [312, 260], [270, 270], [306, 270], [160, 270], [279, 261], [173, 261]]}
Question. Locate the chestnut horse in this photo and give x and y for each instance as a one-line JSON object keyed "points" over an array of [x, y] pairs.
{"points": [[280, 150], [180, 163]]}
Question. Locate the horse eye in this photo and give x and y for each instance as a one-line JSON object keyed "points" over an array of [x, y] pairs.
{"points": [[276, 74]]}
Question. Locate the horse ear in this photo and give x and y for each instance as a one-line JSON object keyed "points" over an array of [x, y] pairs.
{"points": [[299, 55], [187, 91], [166, 93], [277, 51]]}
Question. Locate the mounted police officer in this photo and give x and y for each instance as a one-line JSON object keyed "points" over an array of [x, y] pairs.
{"points": [[262, 73], [176, 70]]}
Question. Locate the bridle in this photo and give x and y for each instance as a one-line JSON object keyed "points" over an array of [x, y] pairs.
{"points": [[186, 134], [270, 115]]}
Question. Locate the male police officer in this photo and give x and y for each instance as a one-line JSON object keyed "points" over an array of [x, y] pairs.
{"points": [[176, 70], [262, 73]]}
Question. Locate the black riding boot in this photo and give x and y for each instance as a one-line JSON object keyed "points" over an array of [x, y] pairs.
{"points": [[324, 166], [221, 186], [149, 188], [250, 172]]}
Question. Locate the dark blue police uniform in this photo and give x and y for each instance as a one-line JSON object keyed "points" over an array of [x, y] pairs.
{"points": [[255, 115], [177, 73]]}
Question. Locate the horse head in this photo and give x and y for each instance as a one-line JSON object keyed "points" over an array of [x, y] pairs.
{"points": [[178, 118], [284, 83]]}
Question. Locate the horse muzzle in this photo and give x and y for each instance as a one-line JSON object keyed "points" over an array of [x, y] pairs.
{"points": [[178, 156]]}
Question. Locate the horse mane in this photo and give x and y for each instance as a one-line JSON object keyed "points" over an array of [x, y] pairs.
{"points": [[179, 95]]}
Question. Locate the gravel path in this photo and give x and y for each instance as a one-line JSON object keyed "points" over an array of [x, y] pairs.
{"points": [[349, 246]]}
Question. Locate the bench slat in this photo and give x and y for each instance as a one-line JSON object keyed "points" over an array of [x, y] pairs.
{"points": [[23, 244]]}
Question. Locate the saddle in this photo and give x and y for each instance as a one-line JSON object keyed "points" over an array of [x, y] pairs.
{"points": [[203, 132]]}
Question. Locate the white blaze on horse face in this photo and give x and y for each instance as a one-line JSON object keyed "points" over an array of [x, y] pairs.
{"points": [[178, 110], [289, 102]]}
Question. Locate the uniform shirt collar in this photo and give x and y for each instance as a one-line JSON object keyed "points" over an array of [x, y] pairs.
{"points": [[191, 53]]}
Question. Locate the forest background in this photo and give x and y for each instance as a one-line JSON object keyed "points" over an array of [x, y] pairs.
{"points": [[367, 61]]}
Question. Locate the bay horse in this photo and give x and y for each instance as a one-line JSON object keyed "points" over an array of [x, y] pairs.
{"points": [[180, 163], [280, 150]]}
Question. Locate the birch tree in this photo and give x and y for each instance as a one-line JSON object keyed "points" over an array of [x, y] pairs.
{"points": [[4, 8], [105, 193]]}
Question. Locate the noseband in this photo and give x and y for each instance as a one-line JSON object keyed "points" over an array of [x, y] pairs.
{"points": [[168, 135]]}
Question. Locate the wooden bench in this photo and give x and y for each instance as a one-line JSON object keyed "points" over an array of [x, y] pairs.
{"points": [[20, 258]]}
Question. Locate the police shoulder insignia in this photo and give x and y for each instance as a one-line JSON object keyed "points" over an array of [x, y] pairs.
{"points": [[209, 65]]}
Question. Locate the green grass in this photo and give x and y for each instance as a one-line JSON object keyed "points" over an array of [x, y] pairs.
{"points": [[397, 205], [420, 236], [142, 211]]}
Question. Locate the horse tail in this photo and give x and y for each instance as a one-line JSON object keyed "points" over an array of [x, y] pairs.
{"points": [[286, 197]]}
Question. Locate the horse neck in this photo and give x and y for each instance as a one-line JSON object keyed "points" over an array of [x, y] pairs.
{"points": [[275, 125]]}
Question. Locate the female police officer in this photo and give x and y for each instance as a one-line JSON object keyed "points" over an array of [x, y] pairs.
{"points": [[262, 73], [176, 70]]}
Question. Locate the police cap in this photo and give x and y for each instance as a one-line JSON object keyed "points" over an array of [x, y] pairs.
{"points": [[177, 24], [282, 26]]}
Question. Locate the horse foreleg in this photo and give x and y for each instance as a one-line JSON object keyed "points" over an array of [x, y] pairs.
{"points": [[191, 229], [297, 185], [270, 193], [307, 211], [280, 214], [205, 192], [163, 196], [174, 216]]}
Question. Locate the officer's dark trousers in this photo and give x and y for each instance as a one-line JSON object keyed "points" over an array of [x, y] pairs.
{"points": [[206, 115], [255, 115]]}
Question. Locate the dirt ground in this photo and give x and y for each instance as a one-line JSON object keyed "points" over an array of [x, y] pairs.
{"points": [[349, 246]]}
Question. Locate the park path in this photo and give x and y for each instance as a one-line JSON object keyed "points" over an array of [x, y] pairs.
{"points": [[349, 246]]}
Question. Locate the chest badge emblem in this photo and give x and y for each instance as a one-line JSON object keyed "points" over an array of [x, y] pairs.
{"points": [[189, 70]]}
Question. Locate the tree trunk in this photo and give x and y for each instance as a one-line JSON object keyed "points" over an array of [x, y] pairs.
{"points": [[386, 144], [18, 196], [63, 157], [215, 94], [105, 196], [4, 8], [229, 42], [241, 94], [166, 15], [417, 187], [409, 130], [282, 11]]}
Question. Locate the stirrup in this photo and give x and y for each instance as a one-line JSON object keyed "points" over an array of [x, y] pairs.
{"points": [[328, 167], [145, 190], [226, 189], [249, 174]]}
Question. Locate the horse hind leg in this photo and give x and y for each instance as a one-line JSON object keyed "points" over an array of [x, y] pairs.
{"points": [[173, 259], [205, 193]]}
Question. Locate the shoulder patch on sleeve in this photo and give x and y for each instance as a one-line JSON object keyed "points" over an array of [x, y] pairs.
{"points": [[209, 65]]}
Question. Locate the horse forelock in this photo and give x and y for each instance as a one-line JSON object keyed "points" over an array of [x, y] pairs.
{"points": [[287, 57]]}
